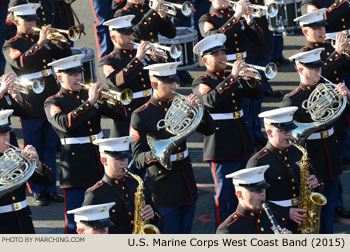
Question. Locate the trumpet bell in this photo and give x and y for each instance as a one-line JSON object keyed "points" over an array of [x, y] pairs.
{"points": [[272, 10], [270, 70], [187, 9], [38, 86], [126, 96], [74, 33], [175, 51]]}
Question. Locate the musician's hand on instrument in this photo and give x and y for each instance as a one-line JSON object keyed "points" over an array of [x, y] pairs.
{"points": [[44, 33], [297, 214], [240, 8], [248, 15], [238, 65], [6, 81], [31, 151], [142, 49], [285, 231], [94, 92], [194, 100], [343, 90], [147, 212], [16, 95], [312, 181], [340, 42]]}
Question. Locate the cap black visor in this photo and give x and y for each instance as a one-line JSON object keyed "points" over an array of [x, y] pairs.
{"points": [[28, 17], [5, 128], [171, 78], [213, 50], [315, 64], [256, 186], [72, 70], [316, 24], [125, 31], [98, 223], [285, 126], [119, 154]]}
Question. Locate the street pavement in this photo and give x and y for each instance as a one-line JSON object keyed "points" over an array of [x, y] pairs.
{"points": [[50, 219]]}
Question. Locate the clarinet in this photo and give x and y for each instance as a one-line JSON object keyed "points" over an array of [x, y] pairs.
{"points": [[276, 228]]}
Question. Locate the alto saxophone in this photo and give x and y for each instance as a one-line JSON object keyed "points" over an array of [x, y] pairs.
{"points": [[308, 199], [140, 225]]}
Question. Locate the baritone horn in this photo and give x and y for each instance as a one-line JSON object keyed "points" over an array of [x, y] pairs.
{"points": [[124, 97], [249, 70], [174, 50], [271, 9], [24, 85], [185, 8]]}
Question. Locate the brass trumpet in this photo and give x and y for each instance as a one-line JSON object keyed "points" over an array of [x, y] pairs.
{"points": [[174, 50], [270, 70], [185, 8], [332, 38], [24, 85], [73, 34], [124, 97], [270, 9]]}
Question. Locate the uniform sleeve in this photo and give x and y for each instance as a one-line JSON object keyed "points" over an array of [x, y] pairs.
{"points": [[120, 74], [66, 122], [229, 28], [337, 9], [141, 152], [207, 125], [44, 176], [229, 88], [286, 102], [116, 112], [21, 110], [149, 23], [167, 28], [333, 63]]}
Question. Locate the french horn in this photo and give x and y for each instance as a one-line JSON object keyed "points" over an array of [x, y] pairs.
{"points": [[15, 169], [181, 120]]}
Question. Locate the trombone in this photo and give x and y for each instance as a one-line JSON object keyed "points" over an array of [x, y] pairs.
{"points": [[271, 9], [24, 85], [172, 9], [174, 50], [270, 70], [124, 97]]}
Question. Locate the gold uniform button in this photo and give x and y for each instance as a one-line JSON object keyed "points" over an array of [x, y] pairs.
{"points": [[82, 101], [78, 96], [328, 53], [344, 26], [293, 187], [123, 187], [142, 79], [131, 65], [90, 130], [89, 122], [335, 72], [73, 153], [113, 211], [140, 73], [343, 19], [217, 128], [154, 14], [237, 49], [280, 152], [144, 86], [136, 61], [81, 108], [124, 51], [141, 11], [262, 229], [165, 109], [129, 213], [44, 60], [292, 180], [151, 33], [258, 220], [337, 79], [285, 158], [236, 108], [294, 195], [126, 195], [233, 94], [144, 22], [44, 19], [279, 178], [283, 219], [233, 101], [13, 198], [288, 165], [159, 172], [45, 67], [129, 109], [179, 148], [235, 35]]}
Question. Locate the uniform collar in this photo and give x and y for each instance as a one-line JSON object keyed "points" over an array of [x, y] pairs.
{"points": [[221, 74], [122, 51], [113, 181], [159, 103], [272, 148], [315, 44], [134, 6], [309, 88], [70, 92], [24, 35], [220, 11], [248, 213]]}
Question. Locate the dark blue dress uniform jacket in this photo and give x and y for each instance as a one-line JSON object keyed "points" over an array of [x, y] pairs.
{"points": [[122, 192], [20, 222], [231, 140], [245, 221], [147, 23], [169, 188], [323, 153], [71, 115], [120, 70], [24, 56]]}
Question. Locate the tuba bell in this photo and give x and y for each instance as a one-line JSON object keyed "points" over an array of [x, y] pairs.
{"points": [[180, 120], [15, 169]]}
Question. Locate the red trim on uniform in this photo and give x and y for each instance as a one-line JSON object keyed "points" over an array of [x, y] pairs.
{"points": [[328, 161], [217, 205], [17, 217], [235, 213], [95, 29], [65, 212], [187, 185], [135, 133], [242, 135], [98, 186]]}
